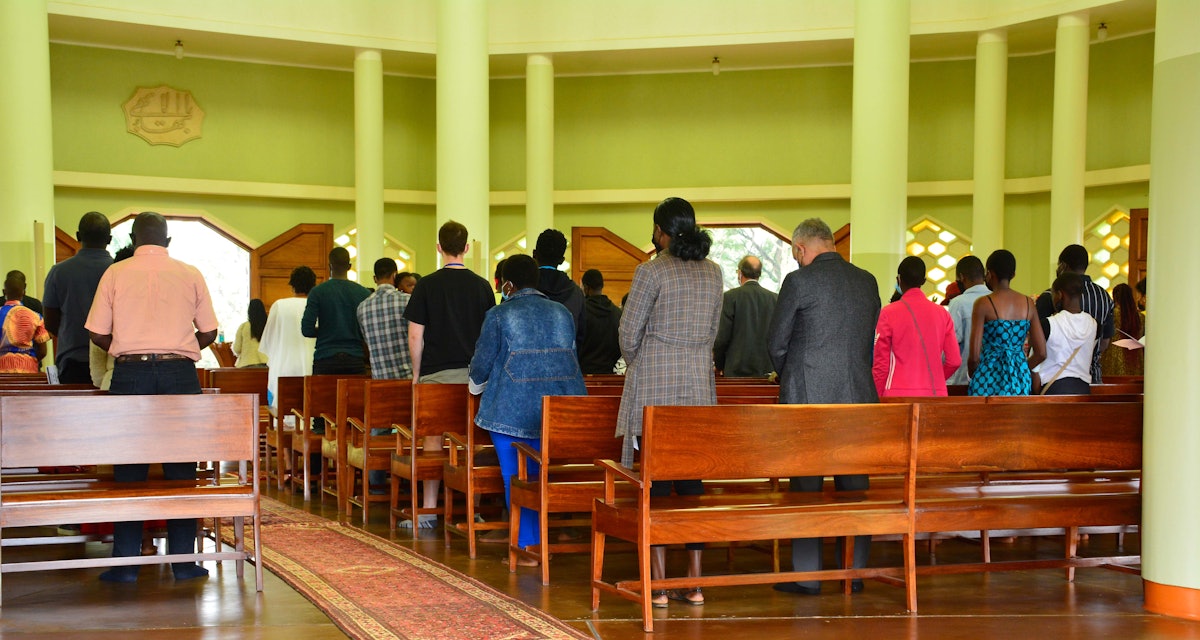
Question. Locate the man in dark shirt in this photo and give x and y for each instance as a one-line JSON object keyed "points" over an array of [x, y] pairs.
{"points": [[70, 288], [445, 315], [601, 345], [330, 317], [1095, 302], [550, 252], [741, 347]]}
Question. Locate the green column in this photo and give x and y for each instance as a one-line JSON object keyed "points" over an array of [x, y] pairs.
{"points": [[1170, 519], [368, 161], [462, 123], [991, 95], [879, 138], [539, 146], [26, 142], [1069, 138]]}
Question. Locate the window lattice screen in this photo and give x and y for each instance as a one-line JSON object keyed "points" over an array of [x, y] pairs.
{"points": [[941, 249], [1107, 243]]}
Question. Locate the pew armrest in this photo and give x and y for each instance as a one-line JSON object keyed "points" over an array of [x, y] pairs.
{"points": [[530, 454]]}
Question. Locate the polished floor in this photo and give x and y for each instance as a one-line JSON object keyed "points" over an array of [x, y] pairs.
{"points": [[1028, 605]]}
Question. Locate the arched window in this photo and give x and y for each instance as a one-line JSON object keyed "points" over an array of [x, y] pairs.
{"points": [[1107, 242], [732, 243], [941, 249]]}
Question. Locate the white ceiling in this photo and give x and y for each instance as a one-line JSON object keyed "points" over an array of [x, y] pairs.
{"points": [[1123, 18]]}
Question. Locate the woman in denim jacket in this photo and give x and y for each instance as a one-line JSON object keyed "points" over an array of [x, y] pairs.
{"points": [[526, 350]]}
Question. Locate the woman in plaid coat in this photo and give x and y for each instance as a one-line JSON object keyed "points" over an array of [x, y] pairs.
{"points": [[668, 327]]}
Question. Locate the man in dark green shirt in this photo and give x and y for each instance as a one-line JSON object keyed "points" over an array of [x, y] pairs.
{"points": [[330, 317]]}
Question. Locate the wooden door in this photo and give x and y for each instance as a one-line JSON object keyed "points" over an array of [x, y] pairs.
{"points": [[271, 264], [841, 241], [1139, 231], [599, 248], [65, 245]]}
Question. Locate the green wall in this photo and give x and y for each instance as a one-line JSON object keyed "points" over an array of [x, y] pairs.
{"points": [[749, 128]]}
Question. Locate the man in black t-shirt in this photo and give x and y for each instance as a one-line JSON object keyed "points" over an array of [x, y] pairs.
{"points": [[444, 317]]}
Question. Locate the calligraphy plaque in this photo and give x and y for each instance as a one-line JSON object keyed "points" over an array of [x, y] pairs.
{"points": [[163, 115]]}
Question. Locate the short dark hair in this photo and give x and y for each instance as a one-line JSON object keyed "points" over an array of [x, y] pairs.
{"points": [[747, 268], [94, 229], [339, 257], [969, 267], [1075, 257], [1070, 284], [303, 279], [551, 248], [453, 238], [499, 275], [521, 270], [677, 219], [911, 272], [593, 279], [1003, 264], [385, 267]]}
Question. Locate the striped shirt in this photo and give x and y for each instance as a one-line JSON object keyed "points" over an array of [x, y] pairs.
{"points": [[385, 330]]}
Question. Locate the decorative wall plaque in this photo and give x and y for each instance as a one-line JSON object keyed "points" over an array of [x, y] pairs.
{"points": [[163, 115]]}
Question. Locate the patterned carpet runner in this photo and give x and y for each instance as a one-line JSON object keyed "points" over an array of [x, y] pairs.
{"points": [[374, 589]]}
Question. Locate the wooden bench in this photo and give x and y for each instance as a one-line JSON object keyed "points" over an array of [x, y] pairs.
{"points": [[471, 468], [132, 430], [320, 398], [1045, 465], [289, 402], [436, 409], [779, 441], [385, 403], [244, 380], [335, 440]]}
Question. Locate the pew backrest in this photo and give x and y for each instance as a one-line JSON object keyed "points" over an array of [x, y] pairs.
{"points": [[580, 429]]}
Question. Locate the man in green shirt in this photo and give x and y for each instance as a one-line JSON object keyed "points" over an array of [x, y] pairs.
{"points": [[330, 317]]}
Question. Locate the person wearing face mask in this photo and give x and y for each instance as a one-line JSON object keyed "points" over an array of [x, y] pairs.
{"points": [[821, 343]]}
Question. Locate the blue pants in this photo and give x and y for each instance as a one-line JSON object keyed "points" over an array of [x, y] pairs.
{"points": [[507, 453], [165, 377]]}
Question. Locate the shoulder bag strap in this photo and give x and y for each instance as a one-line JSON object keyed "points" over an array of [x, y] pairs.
{"points": [[924, 350]]}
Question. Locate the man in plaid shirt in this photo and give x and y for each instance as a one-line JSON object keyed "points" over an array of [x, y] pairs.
{"points": [[381, 317], [385, 330]]}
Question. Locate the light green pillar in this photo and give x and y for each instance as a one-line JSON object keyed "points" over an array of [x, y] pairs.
{"points": [[1069, 138], [368, 161], [879, 138], [1170, 519], [26, 142], [462, 123], [991, 95], [539, 146]]}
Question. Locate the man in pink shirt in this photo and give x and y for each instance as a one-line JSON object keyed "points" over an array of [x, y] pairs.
{"points": [[153, 314], [915, 345]]}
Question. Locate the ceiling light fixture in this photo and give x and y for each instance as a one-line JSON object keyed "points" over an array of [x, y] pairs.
{"points": [[1102, 32], [179, 49], [716, 66]]}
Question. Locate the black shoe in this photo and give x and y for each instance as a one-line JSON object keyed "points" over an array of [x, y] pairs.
{"points": [[856, 586], [121, 575], [189, 571], [796, 588]]}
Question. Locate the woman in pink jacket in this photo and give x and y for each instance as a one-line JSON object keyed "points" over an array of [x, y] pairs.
{"points": [[915, 346]]}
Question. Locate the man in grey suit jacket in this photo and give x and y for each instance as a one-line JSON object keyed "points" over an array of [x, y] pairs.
{"points": [[741, 347], [821, 342]]}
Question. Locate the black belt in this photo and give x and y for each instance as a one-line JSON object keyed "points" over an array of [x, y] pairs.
{"points": [[150, 357]]}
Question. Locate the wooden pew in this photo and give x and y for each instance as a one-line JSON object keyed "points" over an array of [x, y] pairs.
{"points": [[244, 380], [1048, 465], [436, 409], [385, 403], [576, 432], [290, 400], [320, 398], [471, 469], [172, 424], [787, 440]]}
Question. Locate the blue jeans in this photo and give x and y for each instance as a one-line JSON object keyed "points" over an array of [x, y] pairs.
{"points": [[165, 377], [507, 453]]}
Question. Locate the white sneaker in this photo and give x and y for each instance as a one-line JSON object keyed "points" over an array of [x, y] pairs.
{"points": [[428, 521]]}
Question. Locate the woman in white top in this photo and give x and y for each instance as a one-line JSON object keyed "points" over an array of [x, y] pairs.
{"points": [[246, 343], [289, 352], [1070, 338]]}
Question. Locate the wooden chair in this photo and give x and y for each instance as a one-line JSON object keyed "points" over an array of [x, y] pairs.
{"points": [[290, 400], [333, 441], [245, 380], [576, 432], [385, 403], [436, 409], [472, 470], [320, 398]]}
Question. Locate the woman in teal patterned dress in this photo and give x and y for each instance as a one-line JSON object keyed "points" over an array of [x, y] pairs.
{"points": [[1000, 323]]}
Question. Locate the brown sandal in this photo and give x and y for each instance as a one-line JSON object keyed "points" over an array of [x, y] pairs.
{"points": [[687, 596], [659, 599]]}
